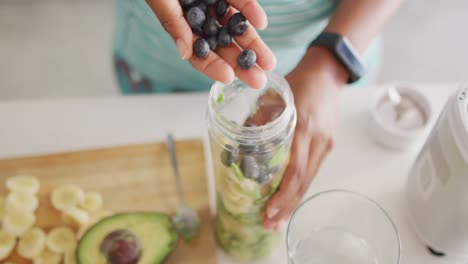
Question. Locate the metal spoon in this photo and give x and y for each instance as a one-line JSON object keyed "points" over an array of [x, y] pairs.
{"points": [[186, 220]]}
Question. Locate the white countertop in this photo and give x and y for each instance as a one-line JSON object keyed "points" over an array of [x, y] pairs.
{"points": [[356, 163]]}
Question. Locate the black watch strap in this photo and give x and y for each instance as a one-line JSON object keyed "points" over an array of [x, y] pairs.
{"points": [[343, 52]]}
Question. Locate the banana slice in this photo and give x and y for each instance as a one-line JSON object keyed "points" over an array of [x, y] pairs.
{"points": [[75, 217], [66, 196], [31, 243], [2, 207], [92, 201], [94, 218], [23, 183], [7, 244], [48, 257], [16, 223], [21, 201], [70, 256], [61, 239]]}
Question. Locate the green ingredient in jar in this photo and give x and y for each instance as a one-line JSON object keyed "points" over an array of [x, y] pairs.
{"points": [[220, 98], [251, 188], [243, 241], [279, 158], [237, 172]]}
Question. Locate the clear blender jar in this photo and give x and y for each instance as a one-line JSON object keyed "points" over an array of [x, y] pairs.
{"points": [[250, 135]]}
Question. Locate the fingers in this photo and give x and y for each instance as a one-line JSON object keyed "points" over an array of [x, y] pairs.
{"points": [[252, 10], [171, 17], [253, 77], [214, 67], [251, 40], [280, 204], [317, 152]]}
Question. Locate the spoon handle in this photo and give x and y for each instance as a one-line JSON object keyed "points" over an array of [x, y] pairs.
{"points": [[175, 167]]}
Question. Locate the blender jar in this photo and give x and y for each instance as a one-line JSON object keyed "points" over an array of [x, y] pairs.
{"points": [[250, 135]]}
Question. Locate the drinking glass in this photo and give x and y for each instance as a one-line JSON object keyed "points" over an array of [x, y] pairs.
{"points": [[342, 227]]}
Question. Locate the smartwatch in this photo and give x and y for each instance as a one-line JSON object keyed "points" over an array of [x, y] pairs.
{"points": [[344, 52]]}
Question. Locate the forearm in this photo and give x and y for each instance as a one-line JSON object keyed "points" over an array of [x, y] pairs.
{"points": [[361, 20], [358, 20]]}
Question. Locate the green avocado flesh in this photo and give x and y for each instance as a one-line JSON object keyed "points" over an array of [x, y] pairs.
{"points": [[154, 231]]}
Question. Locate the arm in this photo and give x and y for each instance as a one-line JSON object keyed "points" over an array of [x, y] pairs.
{"points": [[316, 82], [360, 21]]}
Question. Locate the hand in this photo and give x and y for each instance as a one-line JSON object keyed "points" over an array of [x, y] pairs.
{"points": [[222, 65], [315, 83]]}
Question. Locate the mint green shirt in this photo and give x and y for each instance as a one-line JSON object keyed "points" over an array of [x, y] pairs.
{"points": [[147, 59]]}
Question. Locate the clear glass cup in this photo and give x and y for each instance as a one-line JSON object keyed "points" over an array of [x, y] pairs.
{"points": [[341, 227], [250, 136]]}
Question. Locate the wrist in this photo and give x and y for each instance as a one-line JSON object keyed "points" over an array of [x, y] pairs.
{"points": [[322, 59]]}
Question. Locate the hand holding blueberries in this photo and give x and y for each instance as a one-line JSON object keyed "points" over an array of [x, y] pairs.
{"points": [[218, 38]]}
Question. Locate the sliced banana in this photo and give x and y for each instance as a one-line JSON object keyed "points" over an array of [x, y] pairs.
{"points": [[7, 244], [66, 196], [23, 183], [31, 243], [21, 201], [16, 223], [2, 207], [75, 217], [92, 202], [70, 256], [48, 257], [61, 239]]}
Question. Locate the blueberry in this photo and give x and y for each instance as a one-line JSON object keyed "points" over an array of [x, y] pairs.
{"points": [[201, 48], [264, 158], [203, 6], [224, 38], [250, 167], [248, 149], [274, 169], [195, 17], [247, 59], [229, 155], [198, 31], [222, 8], [186, 3], [211, 26], [213, 42], [210, 2], [238, 24], [265, 178]]}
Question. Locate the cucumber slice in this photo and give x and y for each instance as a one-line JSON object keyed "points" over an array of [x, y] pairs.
{"points": [[237, 172], [279, 158]]}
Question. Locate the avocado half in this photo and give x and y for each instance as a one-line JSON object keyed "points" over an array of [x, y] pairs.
{"points": [[154, 231]]}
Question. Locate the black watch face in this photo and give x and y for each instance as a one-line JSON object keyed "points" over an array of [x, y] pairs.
{"points": [[350, 58]]}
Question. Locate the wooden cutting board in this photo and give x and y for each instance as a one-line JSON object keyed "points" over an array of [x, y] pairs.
{"points": [[130, 178]]}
